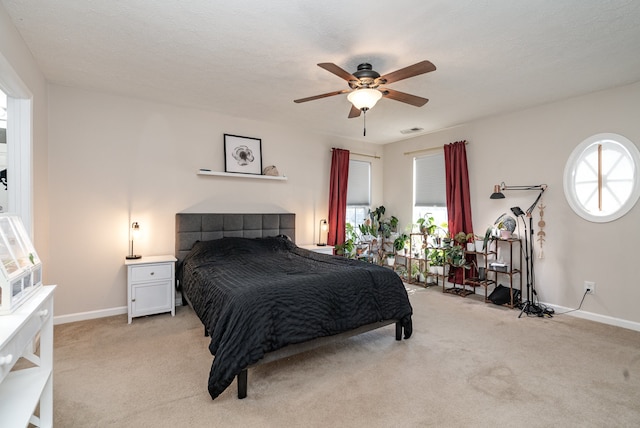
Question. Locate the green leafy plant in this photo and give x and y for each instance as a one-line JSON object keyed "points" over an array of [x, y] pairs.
{"points": [[415, 271], [365, 229], [456, 257], [393, 222], [436, 257], [427, 225], [462, 238], [401, 241], [377, 213], [347, 248], [487, 236]]}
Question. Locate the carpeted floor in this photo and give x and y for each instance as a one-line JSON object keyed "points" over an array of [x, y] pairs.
{"points": [[468, 364]]}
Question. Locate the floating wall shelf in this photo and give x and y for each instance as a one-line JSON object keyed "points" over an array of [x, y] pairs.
{"points": [[237, 175]]}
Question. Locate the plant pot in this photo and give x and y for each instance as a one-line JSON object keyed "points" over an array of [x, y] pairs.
{"points": [[505, 234], [441, 270], [471, 246], [391, 261], [479, 244]]}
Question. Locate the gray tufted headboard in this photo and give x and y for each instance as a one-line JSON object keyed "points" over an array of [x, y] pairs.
{"points": [[192, 227]]}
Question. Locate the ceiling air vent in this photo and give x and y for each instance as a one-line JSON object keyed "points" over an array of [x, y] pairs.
{"points": [[411, 130]]}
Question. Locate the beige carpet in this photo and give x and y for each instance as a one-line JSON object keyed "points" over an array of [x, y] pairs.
{"points": [[468, 364]]}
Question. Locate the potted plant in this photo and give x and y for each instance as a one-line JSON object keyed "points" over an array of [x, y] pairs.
{"points": [[391, 259], [426, 225], [400, 243], [490, 232], [479, 243], [437, 261], [345, 249], [393, 222], [455, 257], [375, 218], [365, 231], [463, 239], [348, 247], [446, 240], [415, 272]]}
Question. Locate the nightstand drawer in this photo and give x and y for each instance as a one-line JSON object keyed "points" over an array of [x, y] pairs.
{"points": [[151, 272]]}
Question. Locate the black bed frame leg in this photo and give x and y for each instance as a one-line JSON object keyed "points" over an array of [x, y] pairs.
{"points": [[242, 384], [398, 331]]}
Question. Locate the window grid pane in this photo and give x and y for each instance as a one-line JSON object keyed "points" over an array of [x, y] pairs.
{"points": [[359, 183], [429, 181]]}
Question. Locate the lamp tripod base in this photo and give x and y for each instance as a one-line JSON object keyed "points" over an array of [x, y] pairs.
{"points": [[531, 308], [133, 257]]}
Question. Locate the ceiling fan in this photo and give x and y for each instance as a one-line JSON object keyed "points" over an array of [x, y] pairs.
{"points": [[366, 86]]}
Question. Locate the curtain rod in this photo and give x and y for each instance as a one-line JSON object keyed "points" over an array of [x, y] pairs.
{"points": [[430, 149], [362, 154]]}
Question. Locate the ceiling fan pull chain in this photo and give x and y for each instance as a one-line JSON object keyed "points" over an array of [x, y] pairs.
{"points": [[364, 120]]}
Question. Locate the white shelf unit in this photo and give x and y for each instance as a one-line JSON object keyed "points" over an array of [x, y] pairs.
{"points": [[240, 175], [22, 389]]}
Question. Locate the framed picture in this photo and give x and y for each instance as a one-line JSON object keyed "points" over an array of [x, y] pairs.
{"points": [[242, 154]]}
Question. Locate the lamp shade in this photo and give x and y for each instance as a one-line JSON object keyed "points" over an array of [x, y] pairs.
{"points": [[497, 193], [322, 230], [134, 234], [364, 99], [135, 230]]}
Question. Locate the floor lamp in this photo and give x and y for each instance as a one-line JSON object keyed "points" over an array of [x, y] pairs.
{"points": [[528, 307]]}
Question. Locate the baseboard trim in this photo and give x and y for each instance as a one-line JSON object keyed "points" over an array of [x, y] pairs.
{"points": [[604, 319], [83, 316]]}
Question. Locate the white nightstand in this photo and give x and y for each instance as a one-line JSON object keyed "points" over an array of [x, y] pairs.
{"points": [[324, 249], [150, 286]]}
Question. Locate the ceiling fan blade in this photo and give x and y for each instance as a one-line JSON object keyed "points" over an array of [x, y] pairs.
{"points": [[354, 112], [410, 71], [317, 97], [332, 68], [414, 100]]}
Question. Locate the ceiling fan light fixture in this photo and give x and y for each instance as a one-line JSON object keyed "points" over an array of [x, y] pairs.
{"points": [[365, 98]]}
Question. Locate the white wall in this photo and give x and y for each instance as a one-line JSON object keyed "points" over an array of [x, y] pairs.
{"points": [[114, 160], [532, 147]]}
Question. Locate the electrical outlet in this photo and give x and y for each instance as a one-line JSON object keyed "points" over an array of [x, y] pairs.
{"points": [[590, 287]]}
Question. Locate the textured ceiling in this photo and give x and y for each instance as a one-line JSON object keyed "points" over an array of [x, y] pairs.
{"points": [[252, 58]]}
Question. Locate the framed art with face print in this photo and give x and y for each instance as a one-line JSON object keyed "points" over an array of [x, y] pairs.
{"points": [[242, 155]]}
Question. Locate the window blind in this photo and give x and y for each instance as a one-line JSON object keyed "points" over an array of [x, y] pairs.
{"points": [[359, 184], [429, 181]]}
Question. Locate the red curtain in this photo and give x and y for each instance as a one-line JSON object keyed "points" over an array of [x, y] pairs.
{"points": [[458, 194], [338, 196]]}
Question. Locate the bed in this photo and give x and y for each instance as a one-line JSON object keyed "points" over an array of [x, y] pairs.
{"points": [[260, 297]]}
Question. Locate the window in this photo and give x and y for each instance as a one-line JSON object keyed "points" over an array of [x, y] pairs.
{"points": [[4, 197], [429, 188], [19, 108], [601, 180], [358, 192]]}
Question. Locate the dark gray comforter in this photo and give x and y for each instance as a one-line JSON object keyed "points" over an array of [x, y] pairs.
{"points": [[258, 295]]}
